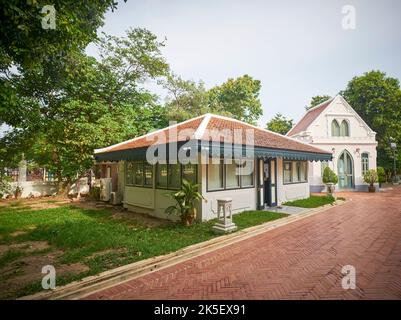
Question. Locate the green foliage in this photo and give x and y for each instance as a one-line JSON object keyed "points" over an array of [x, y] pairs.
{"points": [[237, 98], [279, 124], [187, 99], [186, 201], [311, 202], [5, 186], [377, 99], [329, 176], [94, 193], [76, 104], [316, 100], [370, 177], [381, 173], [25, 43]]}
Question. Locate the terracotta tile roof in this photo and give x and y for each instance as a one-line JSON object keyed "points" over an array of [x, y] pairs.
{"points": [[308, 118], [154, 137], [215, 128], [261, 137]]}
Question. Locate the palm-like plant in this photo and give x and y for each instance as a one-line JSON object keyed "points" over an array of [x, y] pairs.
{"points": [[186, 200]]}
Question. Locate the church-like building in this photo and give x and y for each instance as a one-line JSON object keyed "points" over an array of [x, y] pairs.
{"points": [[336, 127]]}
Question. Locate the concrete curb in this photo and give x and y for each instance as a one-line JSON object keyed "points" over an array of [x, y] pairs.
{"points": [[84, 287]]}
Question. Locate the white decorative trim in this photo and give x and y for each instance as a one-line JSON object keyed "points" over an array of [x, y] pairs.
{"points": [[202, 127], [145, 135]]}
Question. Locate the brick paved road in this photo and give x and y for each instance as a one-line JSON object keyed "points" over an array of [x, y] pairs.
{"points": [[302, 260]]}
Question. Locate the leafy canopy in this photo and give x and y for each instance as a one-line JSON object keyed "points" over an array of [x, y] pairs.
{"points": [[279, 124], [238, 98], [377, 99], [316, 100], [76, 104]]}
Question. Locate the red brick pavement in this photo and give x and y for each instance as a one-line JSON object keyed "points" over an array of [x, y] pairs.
{"points": [[302, 260]]}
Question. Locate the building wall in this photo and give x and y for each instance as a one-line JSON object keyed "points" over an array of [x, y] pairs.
{"points": [[361, 139], [246, 199], [154, 201], [47, 188], [290, 192]]}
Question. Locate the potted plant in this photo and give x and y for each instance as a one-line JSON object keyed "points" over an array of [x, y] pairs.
{"points": [[371, 177], [186, 200], [330, 179], [18, 192]]}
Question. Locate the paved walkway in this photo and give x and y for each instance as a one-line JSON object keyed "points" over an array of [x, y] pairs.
{"points": [[302, 260]]}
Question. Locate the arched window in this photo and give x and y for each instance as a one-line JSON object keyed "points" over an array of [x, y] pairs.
{"points": [[335, 128], [365, 162], [344, 130]]}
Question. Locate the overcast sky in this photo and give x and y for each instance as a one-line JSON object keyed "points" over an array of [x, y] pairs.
{"points": [[297, 49]]}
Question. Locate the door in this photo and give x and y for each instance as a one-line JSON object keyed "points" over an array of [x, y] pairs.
{"points": [[270, 182], [345, 171]]}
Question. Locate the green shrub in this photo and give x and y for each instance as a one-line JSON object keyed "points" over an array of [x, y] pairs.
{"points": [[382, 174], [329, 176], [5, 186], [94, 193]]}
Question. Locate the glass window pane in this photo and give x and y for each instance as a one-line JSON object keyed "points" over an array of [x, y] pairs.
{"points": [[287, 171], [215, 175], [295, 171], [189, 172], [335, 128], [174, 176], [129, 174], [138, 173], [232, 175], [148, 172], [344, 129], [161, 175], [247, 171], [324, 165], [304, 171], [365, 163]]}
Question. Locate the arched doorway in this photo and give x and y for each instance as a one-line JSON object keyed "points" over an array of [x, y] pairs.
{"points": [[345, 167]]}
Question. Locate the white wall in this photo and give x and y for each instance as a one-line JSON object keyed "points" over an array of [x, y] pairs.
{"points": [[154, 201], [289, 192], [47, 188], [362, 139]]}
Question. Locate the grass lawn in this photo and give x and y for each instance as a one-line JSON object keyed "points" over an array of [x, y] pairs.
{"points": [[81, 242], [311, 202]]}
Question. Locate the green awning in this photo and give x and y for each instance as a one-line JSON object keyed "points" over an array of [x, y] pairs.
{"points": [[216, 150]]}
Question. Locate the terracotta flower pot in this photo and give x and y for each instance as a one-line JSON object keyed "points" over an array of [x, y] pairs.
{"points": [[372, 189]]}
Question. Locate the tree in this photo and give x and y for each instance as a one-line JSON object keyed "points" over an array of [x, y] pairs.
{"points": [[238, 98], [316, 100], [377, 99], [279, 124], [26, 45], [76, 104], [187, 99], [23, 40]]}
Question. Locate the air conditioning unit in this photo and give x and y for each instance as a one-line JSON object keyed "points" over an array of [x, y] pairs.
{"points": [[105, 189], [114, 198]]}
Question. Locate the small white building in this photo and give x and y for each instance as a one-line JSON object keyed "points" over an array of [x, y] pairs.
{"points": [[335, 126], [226, 157]]}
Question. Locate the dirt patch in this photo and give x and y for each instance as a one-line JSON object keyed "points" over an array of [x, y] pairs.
{"points": [[28, 270], [17, 233], [120, 212], [35, 203], [28, 246]]}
